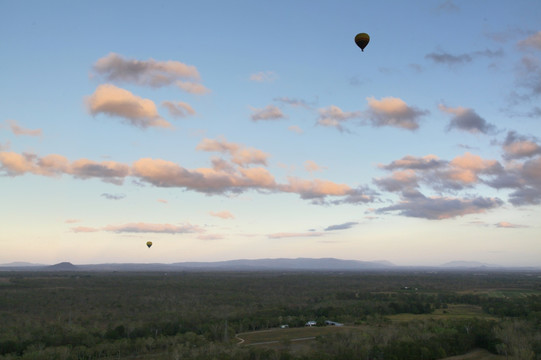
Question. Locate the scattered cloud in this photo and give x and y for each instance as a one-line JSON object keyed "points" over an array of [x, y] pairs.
{"points": [[72, 221], [467, 120], [116, 68], [296, 129], [395, 112], [84, 229], [153, 228], [179, 108], [508, 225], [529, 76], [333, 116], [164, 173], [282, 235], [293, 102], [114, 101], [518, 146], [107, 171], [468, 171], [240, 154], [263, 76], [398, 181], [415, 163], [19, 130], [531, 42], [222, 214], [447, 6], [269, 112], [192, 88], [113, 196], [210, 237], [417, 205], [446, 58], [344, 226], [311, 166], [14, 164]]}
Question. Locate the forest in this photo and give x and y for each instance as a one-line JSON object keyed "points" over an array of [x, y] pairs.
{"points": [[262, 315]]}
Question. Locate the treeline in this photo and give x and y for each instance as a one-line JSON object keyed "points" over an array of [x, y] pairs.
{"points": [[196, 315]]}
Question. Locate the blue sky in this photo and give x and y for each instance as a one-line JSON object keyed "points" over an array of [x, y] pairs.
{"points": [[225, 130]]}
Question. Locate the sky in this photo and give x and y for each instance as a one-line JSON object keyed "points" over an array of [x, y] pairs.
{"points": [[258, 129]]}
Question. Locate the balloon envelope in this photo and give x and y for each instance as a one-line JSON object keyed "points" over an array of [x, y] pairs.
{"points": [[362, 39], [149, 243]]}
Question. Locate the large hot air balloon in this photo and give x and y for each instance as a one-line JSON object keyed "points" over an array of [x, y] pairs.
{"points": [[149, 243], [362, 39]]}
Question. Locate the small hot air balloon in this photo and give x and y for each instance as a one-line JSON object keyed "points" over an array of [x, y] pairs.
{"points": [[149, 243], [362, 39]]}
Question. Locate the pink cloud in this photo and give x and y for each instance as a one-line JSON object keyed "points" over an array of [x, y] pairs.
{"points": [[335, 117], [115, 67], [178, 108], [282, 235], [114, 101], [508, 225], [84, 229], [72, 221], [516, 146], [222, 214], [270, 112], [240, 154], [18, 130], [311, 166], [315, 188], [467, 120], [467, 168], [533, 41], [296, 129], [54, 165], [391, 111]]}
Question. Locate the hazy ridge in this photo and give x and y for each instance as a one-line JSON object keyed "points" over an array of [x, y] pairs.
{"points": [[279, 264]]}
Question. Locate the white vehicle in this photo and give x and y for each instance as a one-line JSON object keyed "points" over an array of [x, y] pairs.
{"points": [[311, 323]]}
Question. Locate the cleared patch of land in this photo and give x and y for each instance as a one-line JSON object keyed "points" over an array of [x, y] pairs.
{"points": [[504, 293], [479, 354], [291, 334], [453, 311]]}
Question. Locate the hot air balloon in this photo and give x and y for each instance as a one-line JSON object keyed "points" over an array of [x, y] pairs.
{"points": [[362, 39], [149, 243]]}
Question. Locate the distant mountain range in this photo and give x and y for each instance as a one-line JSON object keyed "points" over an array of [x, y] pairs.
{"points": [[282, 264]]}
